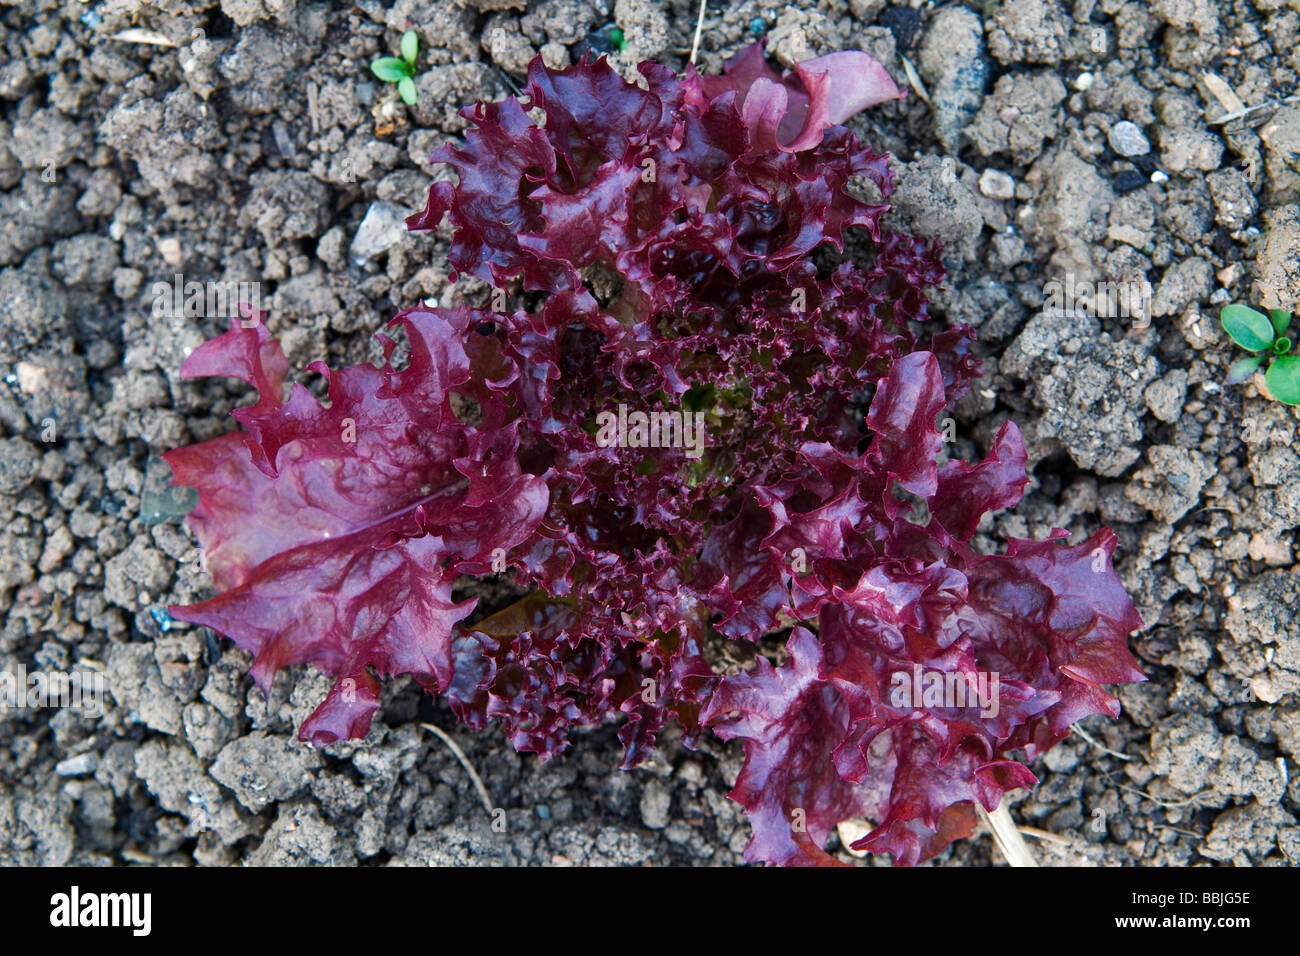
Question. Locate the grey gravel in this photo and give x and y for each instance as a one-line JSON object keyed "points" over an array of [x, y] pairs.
{"points": [[380, 230], [1127, 139], [996, 184]]}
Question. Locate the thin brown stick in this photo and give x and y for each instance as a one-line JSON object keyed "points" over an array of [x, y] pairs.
{"points": [[1044, 835], [699, 28], [1157, 801], [1006, 835], [1096, 743], [464, 762], [1229, 117]]}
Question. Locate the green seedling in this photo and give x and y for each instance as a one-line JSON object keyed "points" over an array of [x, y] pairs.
{"points": [[1264, 336], [400, 70]]}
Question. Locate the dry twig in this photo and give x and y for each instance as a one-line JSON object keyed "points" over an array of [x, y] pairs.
{"points": [[699, 28], [1006, 835], [464, 762]]}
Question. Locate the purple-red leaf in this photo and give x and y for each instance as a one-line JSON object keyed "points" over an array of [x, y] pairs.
{"points": [[333, 533], [791, 112]]}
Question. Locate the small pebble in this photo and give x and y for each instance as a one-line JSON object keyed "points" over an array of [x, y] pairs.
{"points": [[170, 250], [1128, 180], [78, 765], [904, 23], [1159, 177], [996, 184], [382, 228], [1127, 139], [1083, 82], [31, 378]]}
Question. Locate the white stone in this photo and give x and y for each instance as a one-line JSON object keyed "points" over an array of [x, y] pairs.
{"points": [[997, 185], [1128, 140], [380, 230], [78, 765]]}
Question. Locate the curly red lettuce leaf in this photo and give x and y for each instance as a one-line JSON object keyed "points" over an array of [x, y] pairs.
{"points": [[333, 532], [792, 793], [791, 112], [997, 653]]}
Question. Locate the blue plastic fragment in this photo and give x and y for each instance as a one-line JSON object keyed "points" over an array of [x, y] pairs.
{"points": [[161, 618]]}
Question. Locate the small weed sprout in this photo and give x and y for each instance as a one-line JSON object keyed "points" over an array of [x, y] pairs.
{"points": [[400, 70], [1264, 336]]}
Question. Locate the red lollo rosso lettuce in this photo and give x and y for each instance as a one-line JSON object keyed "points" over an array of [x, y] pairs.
{"points": [[668, 231]]}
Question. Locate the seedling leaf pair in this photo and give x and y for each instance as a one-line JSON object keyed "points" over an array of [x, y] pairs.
{"points": [[401, 70], [1259, 333]]}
